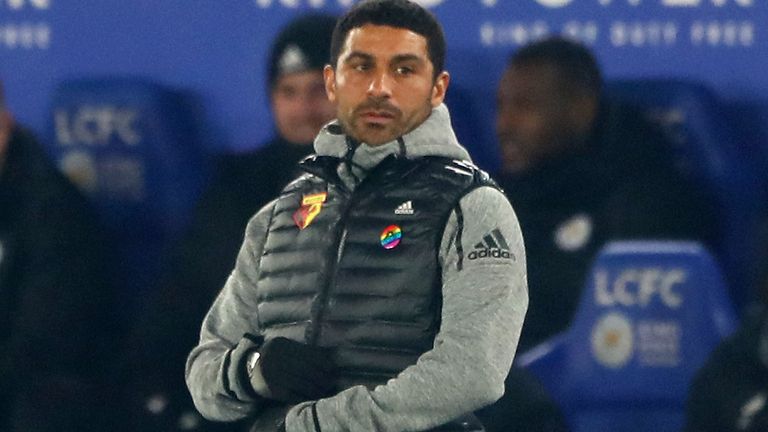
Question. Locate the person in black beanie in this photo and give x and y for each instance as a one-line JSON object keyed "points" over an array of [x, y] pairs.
{"points": [[202, 260]]}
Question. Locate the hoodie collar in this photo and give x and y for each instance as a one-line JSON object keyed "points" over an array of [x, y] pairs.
{"points": [[434, 137]]}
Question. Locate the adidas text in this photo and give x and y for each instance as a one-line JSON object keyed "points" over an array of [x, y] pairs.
{"points": [[489, 253], [494, 245]]}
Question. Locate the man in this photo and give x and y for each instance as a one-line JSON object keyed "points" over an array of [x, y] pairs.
{"points": [[384, 289], [54, 302], [581, 170], [201, 262]]}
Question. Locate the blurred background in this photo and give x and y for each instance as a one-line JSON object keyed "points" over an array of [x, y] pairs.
{"points": [[218, 51], [134, 100]]}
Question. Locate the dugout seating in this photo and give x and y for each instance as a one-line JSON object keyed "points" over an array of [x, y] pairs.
{"points": [[649, 316], [132, 146]]}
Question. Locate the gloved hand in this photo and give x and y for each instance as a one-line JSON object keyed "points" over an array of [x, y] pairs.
{"points": [[296, 372]]}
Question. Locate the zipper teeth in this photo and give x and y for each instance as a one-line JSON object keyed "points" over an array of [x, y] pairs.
{"points": [[331, 278], [339, 252]]}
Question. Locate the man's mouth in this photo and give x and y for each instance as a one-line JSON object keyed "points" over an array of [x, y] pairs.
{"points": [[377, 117]]}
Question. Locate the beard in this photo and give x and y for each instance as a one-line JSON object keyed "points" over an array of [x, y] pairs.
{"points": [[390, 122]]}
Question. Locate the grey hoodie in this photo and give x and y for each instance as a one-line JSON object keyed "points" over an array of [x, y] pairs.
{"points": [[484, 302]]}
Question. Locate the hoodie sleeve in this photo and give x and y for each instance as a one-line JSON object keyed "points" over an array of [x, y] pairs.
{"points": [[485, 298], [214, 372]]}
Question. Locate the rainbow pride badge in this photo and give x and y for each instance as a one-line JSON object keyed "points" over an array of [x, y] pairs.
{"points": [[391, 237]]}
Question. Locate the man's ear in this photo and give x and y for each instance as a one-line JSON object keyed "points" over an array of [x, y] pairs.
{"points": [[439, 88], [329, 75]]}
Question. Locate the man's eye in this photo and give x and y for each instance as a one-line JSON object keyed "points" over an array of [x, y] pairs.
{"points": [[404, 70], [362, 67]]}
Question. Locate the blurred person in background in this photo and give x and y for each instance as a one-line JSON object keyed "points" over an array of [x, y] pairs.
{"points": [[730, 392], [581, 170], [55, 305], [201, 262]]}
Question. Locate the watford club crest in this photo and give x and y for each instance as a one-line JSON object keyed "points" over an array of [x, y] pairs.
{"points": [[310, 208]]}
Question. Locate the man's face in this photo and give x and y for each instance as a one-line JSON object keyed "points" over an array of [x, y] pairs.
{"points": [[532, 117], [383, 83], [300, 106]]}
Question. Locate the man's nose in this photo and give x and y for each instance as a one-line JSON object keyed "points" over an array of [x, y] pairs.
{"points": [[381, 86]]}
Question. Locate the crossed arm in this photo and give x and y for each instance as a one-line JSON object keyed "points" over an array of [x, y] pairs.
{"points": [[484, 303]]}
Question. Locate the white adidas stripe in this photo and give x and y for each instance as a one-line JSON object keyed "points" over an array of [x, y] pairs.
{"points": [[405, 208]]}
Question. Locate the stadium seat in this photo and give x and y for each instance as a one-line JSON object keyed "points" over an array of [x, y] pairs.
{"points": [[708, 146], [648, 318], [132, 147]]}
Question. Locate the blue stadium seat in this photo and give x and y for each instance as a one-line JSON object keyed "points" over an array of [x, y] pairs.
{"points": [[648, 318], [717, 156], [133, 148]]}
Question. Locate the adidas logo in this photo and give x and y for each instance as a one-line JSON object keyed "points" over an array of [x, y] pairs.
{"points": [[494, 245], [405, 208]]}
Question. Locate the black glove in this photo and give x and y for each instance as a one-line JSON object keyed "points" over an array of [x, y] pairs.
{"points": [[295, 372]]}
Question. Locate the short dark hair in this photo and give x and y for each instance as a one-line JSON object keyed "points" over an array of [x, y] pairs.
{"points": [[393, 13], [574, 62]]}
